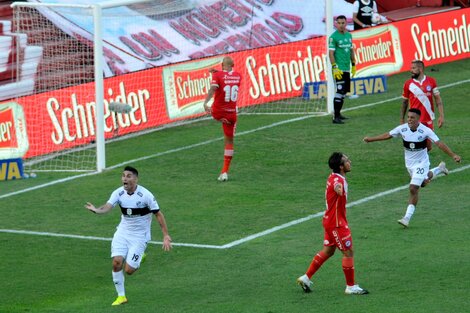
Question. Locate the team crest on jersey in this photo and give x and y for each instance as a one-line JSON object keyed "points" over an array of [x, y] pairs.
{"points": [[140, 194], [348, 243], [138, 204], [428, 88], [404, 129], [420, 138]]}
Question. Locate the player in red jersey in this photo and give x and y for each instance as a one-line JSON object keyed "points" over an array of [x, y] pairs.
{"points": [[337, 232], [419, 92], [224, 88]]}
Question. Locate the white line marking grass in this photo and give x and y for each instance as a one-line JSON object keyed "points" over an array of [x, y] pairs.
{"points": [[207, 142], [236, 242]]}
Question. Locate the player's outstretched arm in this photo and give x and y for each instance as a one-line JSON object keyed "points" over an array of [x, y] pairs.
{"points": [[447, 150], [384, 136], [102, 209], [166, 237]]}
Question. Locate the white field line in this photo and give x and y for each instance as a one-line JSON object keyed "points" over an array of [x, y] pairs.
{"points": [[236, 242], [205, 143]]}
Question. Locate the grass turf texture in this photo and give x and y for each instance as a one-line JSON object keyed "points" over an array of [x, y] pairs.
{"points": [[278, 175]]}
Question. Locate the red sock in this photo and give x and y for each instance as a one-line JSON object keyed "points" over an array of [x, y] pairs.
{"points": [[228, 153], [348, 269], [317, 262]]}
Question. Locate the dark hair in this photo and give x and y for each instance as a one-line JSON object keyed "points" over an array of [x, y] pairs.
{"points": [[132, 169], [419, 63], [414, 110], [340, 17], [335, 161]]}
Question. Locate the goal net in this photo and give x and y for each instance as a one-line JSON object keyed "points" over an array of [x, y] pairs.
{"points": [[154, 57]]}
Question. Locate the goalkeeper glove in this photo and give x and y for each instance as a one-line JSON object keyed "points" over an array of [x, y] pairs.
{"points": [[337, 73], [353, 70]]}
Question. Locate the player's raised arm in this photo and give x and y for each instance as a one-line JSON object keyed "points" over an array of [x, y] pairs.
{"points": [[447, 150], [102, 209], [384, 136]]}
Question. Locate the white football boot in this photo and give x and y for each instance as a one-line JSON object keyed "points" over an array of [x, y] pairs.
{"points": [[355, 290], [304, 282], [223, 177], [404, 222], [443, 168]]}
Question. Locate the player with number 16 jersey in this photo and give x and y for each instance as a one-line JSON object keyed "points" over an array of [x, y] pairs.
{"points": [[224, 88]]}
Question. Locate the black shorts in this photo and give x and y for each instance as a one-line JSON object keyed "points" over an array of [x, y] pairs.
{"points": [[343, 85]]}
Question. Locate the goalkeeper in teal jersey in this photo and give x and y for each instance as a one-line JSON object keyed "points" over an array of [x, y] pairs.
{"points": [[343, 62]]}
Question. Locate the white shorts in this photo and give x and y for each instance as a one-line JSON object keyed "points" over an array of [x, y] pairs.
{"points": [[130, 247], [418, 173]]}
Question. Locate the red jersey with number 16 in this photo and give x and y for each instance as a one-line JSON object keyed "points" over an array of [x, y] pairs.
{"points": [[226, 96], [335, 214]]}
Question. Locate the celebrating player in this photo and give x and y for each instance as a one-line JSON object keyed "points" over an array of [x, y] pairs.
{"points": [[341, 53], [414, 135], [337, 232], [133, 232], [418, 93], [224, 86]]}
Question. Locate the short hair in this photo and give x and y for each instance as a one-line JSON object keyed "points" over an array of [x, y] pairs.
{"points": [[340, 17], [414, 110], [132, 169], [228, 61], [419, 63], [335, 161]]}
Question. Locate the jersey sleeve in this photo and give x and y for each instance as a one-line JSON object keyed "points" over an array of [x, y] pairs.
{"points": [[114, 198], [331, 43], [396, 131], [356, 7], [152, 203], [406, 90], [215, 79], [435, 90], [432, 135]]}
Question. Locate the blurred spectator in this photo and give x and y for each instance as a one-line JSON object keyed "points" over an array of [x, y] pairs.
{"points": [[363, 11]]}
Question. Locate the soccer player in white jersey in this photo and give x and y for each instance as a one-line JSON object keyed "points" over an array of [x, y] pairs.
{"points": [[133, 232], [415, 135]]}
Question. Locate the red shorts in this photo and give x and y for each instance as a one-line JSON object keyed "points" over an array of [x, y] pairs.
{"points": [[339, 237], [231, 118]]}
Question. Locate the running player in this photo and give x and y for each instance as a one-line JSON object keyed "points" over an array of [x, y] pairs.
{"points": [[133, 232], [414, 135]]}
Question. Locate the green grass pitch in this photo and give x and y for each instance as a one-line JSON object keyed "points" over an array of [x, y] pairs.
{"points": [[278, 176]]}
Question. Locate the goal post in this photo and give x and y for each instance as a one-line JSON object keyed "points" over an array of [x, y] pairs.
{"points": [[59, 70], [116, 68]]}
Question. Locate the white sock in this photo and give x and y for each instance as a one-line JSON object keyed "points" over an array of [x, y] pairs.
{"points": [[409, 211], [118, 279], [435, 171]]}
